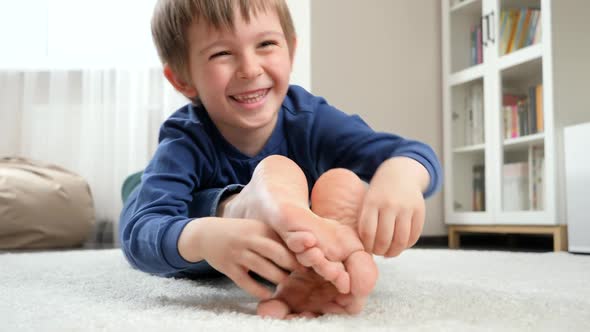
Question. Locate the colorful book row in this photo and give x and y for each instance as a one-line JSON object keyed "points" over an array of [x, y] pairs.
{"points": [[523, 115], [519, 28]]}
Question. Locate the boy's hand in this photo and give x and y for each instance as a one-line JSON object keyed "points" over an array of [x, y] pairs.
{"points": [[392, 215], [236, 246]]}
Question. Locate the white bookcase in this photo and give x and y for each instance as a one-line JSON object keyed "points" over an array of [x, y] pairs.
{"points": [[559, 61]]}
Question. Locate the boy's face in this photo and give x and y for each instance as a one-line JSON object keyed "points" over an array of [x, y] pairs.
{"points": [[240, 76]]}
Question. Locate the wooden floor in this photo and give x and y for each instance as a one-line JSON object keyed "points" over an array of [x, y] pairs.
{"points": [[559, 233]]}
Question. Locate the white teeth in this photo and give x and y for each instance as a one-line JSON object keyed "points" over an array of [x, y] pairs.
{"points": [[251, 98]]}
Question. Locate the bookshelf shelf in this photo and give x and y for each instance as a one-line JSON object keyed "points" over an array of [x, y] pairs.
{"points": [[524, 55], [467, 75], [471, 148], [530, 93], [525, 141]]}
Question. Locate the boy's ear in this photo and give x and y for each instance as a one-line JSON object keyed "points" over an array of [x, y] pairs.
{"points": [[179, 83]]}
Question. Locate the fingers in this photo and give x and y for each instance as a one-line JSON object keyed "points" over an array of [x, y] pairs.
{"points": [[396, 230], [249, 285], [368, 226], [276, 253], [417, 225], [255, 262], [403, 226], [385, 231]]}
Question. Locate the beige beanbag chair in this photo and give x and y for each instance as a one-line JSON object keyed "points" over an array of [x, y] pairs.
{"points": [[42, 206]]}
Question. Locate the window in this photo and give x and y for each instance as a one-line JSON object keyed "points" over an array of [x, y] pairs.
{"points": [[76, 34]]}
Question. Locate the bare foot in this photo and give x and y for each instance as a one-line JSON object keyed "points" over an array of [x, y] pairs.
{"points": [[278, 195], [337, 195]]}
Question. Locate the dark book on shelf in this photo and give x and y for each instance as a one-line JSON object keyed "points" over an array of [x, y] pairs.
{"points": [[533, 109], [479, 191]]}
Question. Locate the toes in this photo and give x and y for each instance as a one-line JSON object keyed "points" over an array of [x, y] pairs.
{"points": [[333, 308], [311, 257], [344, 299], [342, 282], [352, 304], [331, 271], [363, 273], [299, 241], [273, 308]]}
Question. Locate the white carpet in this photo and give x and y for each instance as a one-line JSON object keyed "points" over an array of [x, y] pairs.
{"points": [[422, 290]]}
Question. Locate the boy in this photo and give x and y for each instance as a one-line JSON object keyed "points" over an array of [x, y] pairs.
{"points": [[217, 193]]}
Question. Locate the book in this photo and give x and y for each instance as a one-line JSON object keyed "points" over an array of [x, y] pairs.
{"points": [[537, 175], [538, 31], [479, 201], [522, 41], [507, 122], [515, 132], [505, 33], [519, 28], [478, 115], [474, 115], [539, 108], [533, 27], [515, 186], [473, 47], [514, 17], [532, 120], [522, 110], [479, 45]]}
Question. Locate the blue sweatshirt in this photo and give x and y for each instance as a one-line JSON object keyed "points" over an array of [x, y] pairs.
{"points": [[194, 167]]}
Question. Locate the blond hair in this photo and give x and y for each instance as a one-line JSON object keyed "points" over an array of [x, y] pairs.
{"points": [[172, 18]]}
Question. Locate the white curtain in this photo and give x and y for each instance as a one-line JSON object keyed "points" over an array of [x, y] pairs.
{"points": [[101, 124]]}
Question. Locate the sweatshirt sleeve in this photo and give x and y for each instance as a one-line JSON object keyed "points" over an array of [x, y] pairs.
{"points": [[352, 144], [157, 211]]}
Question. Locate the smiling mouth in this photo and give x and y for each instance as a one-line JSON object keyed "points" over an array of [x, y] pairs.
{"points": [[250, 97]]}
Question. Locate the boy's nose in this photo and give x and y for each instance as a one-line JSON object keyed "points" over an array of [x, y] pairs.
{"points": [[249, 68]]}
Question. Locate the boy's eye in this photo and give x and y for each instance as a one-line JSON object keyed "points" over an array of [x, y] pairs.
{"points": [[218, 54], [267, 43]]}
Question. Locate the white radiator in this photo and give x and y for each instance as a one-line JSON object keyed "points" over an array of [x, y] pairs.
{"points": [[577, 178]]}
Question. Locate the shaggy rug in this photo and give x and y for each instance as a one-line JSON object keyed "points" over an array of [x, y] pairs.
{"points": [[422, 290]]}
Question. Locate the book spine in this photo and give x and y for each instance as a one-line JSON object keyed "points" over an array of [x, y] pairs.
{"points": [[514, 132], [539, 29], [532, 27], [525, 29], [479, 45], [539, 107], [521, 19], [533, 110]]}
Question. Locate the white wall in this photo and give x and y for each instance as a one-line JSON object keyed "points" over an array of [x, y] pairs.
{"points": [[381, 59]]}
